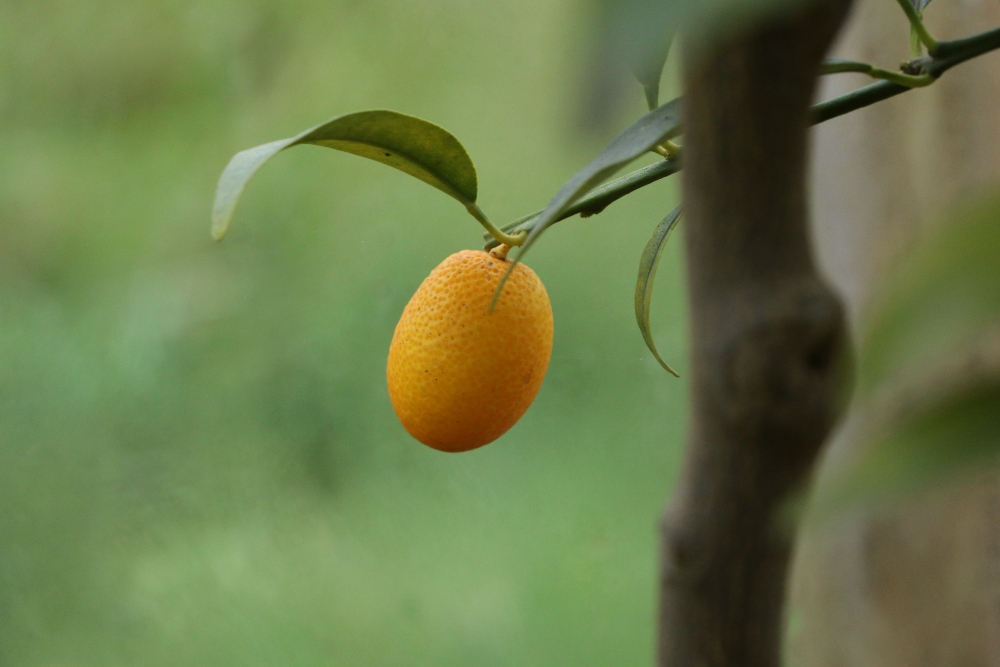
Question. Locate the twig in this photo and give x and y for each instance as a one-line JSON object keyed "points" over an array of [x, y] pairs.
{"points": [[947, 55]]}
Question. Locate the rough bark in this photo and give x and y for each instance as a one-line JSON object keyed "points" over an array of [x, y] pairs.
{"points": [[767, 336]]}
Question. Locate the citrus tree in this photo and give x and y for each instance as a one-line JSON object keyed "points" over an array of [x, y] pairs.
{"points": [[769, 352]]}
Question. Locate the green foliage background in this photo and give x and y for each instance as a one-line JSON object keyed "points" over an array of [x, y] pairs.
{"points": [[199, 464]]}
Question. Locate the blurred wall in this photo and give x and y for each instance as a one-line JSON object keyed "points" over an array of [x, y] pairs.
{"points": [[915, 585]]}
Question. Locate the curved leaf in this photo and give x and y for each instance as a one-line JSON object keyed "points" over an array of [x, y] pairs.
{"points": [[649, 69], [647, 272], [633, 31], [412, 145], [638, 138], [599, 198]]}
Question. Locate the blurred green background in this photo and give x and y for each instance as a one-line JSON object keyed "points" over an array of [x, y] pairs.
{"points": [[199, 463]]}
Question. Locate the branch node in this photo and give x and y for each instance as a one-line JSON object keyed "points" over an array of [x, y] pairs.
{"points": [[779, 367]]}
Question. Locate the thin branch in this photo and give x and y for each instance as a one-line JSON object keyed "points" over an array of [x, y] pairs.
{"points": [[947, 55], [838, 66], [856, 99], [599, 198]]}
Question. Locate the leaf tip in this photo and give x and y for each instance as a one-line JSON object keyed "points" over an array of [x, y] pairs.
{"points": [[656, 355], [219, 228], [503, 281]]}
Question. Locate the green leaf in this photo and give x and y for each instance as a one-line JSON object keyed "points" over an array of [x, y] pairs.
{"points": [[600, 198], [929, 377], [937, 441], [639, 138], [647, 272], [412, 145], [633, 32], [704, 19], [647, 68], [942, 300], [922, 450]]}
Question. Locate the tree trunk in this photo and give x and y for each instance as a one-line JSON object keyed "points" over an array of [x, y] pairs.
{"points": [[767, 336]]}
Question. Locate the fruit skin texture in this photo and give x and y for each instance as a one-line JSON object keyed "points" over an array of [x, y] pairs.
{"points": [[460, 376]]}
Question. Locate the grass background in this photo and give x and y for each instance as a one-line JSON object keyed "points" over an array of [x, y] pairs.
{"points": [[199, 463]]}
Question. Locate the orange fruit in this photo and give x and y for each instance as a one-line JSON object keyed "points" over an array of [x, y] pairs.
{"points": [[459, 375]]}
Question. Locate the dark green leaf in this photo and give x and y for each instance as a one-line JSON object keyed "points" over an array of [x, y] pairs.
{"points": [[639, 138], [412, 145], [600, 198], [938, 440], [636, 33], [647, 20], [647, 272]]}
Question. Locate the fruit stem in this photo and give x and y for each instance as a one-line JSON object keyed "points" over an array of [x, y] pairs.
{"points": [[667, 149], [496, 232], [500, 251]]}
